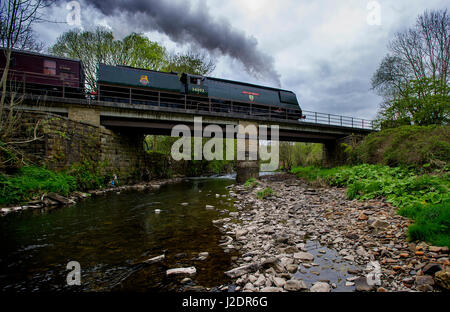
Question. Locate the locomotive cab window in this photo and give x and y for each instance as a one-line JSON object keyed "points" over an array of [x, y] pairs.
{"points": [[194, 80], [49, 67]]}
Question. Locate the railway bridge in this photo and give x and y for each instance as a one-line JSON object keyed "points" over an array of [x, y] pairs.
{"points": [[128, 121]]}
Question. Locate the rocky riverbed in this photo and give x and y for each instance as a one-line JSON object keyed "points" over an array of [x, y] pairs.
{"points": [[315, 239]]}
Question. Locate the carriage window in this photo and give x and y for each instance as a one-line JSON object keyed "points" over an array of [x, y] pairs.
{"points": [[49, 67]]}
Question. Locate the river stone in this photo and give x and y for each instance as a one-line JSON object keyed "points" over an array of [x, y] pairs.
{"points": [[209, 207], [279, 282], [60, 199], [305, 256], [189, 270], [379, 224], [291, 268], [320, 287], [155, 259], [438, 249], [271, 289], [442, 278], [360, 251], [295, 285], [248, 268], [260, 281], [362, 285], [424, 280], [240, 232], [270, 262], [431, 268]]}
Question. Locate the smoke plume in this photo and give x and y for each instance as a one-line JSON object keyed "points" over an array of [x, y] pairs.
{"points": [[183, 24]]}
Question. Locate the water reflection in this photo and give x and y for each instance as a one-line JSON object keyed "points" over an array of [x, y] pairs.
{"points": [[111, 235]]}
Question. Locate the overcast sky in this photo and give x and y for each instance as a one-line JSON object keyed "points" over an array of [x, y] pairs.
{"points": [[324, 50]]}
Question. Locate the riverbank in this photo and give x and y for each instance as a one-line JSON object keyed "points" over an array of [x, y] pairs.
{"points": [[52, 200], [315, 239]]}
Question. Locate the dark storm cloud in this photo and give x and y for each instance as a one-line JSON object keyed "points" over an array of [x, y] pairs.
{"points": [[183, 24]]}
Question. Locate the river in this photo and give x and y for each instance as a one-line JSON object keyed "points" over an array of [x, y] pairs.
{"points": [[111, 235]]}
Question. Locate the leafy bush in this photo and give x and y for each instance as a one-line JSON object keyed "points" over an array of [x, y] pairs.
{"points": [[413, 146], [89, 175], [32, 181]]}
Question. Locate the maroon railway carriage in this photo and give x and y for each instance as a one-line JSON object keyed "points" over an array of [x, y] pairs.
{"points": [[35, 73]]}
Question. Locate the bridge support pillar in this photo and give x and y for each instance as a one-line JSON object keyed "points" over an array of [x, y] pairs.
{"points": [[334, 153], [249, 167], [84, 114]]}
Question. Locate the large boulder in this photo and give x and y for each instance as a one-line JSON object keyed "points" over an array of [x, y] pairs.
{"points": [[320, 287], [304, 256], [442, 278]]}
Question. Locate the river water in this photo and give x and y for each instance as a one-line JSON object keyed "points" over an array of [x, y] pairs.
{"points": [[111, 235]]}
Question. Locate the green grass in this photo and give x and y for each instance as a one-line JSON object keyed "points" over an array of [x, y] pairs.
{"points": [[31, 182], [423, 198], [250, 183], [432, 222], [268, 191]]}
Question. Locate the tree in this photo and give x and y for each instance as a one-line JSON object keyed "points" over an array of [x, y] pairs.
{"points": [[99, 46], [193, 62], [415, 72], [17, 18], [424, 102]]}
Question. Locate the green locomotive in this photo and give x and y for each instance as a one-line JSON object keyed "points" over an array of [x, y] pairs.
{"points": [[146, 87]]}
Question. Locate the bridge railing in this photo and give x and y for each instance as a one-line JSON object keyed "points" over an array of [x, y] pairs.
{"points": [[337, 120]]}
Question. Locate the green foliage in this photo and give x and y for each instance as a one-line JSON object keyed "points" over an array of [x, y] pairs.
{"points": [[311, 173], [32, 181], [89, 175], [300, 154], [413, 146], [100, 46], [265, 193], [135, 50], [192, 63], [425, 101], [432, 222], [251, 183], [424, 198]]}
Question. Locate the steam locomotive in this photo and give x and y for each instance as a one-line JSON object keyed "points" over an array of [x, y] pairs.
{"points": [[57, 76]]}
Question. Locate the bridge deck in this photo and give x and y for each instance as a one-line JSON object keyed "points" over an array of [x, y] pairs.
{"points": [[159, 119]]}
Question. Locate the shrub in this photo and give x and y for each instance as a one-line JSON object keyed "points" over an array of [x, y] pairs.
{"points": [[250, 183], [265, 193], [32, 181]]}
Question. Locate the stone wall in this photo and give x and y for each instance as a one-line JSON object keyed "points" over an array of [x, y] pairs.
{"points": [[63, 142]]}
